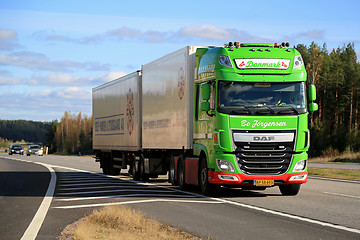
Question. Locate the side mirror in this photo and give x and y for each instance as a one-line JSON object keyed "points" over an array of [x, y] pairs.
{"points": [[312, 92], [205, 92], [205, 106], [313, 107]]}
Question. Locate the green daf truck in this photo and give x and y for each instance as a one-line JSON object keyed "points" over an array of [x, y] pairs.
{"points": [[210, 116]]}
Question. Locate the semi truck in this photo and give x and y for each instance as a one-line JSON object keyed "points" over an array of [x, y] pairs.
{"points": [[210, 116]]}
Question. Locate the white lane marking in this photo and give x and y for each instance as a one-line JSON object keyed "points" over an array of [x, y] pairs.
{"points": [[123, 196], [35, 225], [138, 201], [240, 204], [343, 195], [111, 191], [93, 184], [107, 187], [304, 219]]}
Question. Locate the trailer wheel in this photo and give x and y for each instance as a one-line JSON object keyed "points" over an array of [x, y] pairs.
{"points": [[172, 171], [289, 190], [143, 176], [135, 172], [181, 173], [206, 187]]}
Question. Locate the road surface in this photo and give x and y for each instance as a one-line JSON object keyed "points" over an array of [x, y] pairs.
{"points": [[322, 210]]}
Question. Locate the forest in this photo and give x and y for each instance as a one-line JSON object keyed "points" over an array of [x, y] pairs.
{"points": [[336, 74], [26, 131], [73, 134]]}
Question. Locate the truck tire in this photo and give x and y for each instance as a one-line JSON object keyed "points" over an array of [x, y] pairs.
{"points": [[172, 171], [181, 173], [206, 187], [135, 171], [290, 190], [143, 176]]}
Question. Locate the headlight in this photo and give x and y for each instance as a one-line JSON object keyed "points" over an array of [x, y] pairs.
{"points": [[298, 61], [300, 166], [225, 61], [224, 165]]}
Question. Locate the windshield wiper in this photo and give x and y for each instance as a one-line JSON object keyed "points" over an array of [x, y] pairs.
{"points": [[238, 111], [266, 110], [290, 109]]}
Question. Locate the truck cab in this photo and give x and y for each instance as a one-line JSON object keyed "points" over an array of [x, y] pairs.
{"points": [[251, 117]]}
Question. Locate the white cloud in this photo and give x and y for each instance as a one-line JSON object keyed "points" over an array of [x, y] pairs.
{"points": [[204, 32], [110, 76], [8, 40], [45, 105], [8, 34], [74, 93], [210, 32], [38, 61], [9, 80]]}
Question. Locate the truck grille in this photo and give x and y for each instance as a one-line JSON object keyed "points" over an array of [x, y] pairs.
{"points": [[264, 157]]}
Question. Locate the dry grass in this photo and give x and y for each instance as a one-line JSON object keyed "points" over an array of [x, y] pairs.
{"points": [[119, 222], [345, 157]]}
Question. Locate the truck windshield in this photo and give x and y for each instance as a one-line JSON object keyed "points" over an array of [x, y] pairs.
{"points": [[238, 98]]}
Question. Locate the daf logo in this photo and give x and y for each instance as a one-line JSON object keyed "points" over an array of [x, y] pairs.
{"points": [[263, 138]]}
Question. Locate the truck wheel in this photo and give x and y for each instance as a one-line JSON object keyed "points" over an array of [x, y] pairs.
{"points": [[181, 173], [172, 171], [143, 176], [135, 172], [289, 190], [206, 187]]}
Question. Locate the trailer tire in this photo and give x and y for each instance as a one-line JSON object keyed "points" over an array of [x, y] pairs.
{"points": [[290, 190], [181, 173], [135, 172], [171, 176], [206, 187], [143, 176]]}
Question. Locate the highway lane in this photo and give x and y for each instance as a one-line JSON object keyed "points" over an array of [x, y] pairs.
{"points": [[326, 201], [22, 189]]}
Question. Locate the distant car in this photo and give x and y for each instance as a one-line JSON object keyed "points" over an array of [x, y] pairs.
{"points": [[16, 149], [34, 149]]}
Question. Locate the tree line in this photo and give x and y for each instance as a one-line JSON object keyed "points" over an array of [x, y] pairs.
{"points": [[73, 134], [336, 74], [25, 131]]}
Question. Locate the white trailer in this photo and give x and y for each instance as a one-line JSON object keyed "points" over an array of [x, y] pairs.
{"points": [[143, 118]]}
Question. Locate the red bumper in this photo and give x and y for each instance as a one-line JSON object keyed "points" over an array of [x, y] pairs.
{"points": [[247, 180]]}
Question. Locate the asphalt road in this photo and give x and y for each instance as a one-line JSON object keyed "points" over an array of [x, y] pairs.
{"points": [[322, 210]]}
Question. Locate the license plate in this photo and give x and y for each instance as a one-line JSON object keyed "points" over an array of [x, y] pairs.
{"points": [[263, 182]]}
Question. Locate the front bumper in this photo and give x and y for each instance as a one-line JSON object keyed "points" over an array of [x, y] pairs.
{"points": [[223, 178]]}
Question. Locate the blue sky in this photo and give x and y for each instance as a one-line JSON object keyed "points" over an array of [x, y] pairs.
{"points": [[52, 53]]}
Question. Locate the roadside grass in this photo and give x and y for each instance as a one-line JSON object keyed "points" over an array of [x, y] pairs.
{"points": [[120, 222], [336, 157], [344, 157], [335, 173]]}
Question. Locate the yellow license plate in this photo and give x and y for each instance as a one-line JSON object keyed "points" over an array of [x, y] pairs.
{"points": [[263, 182]]}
